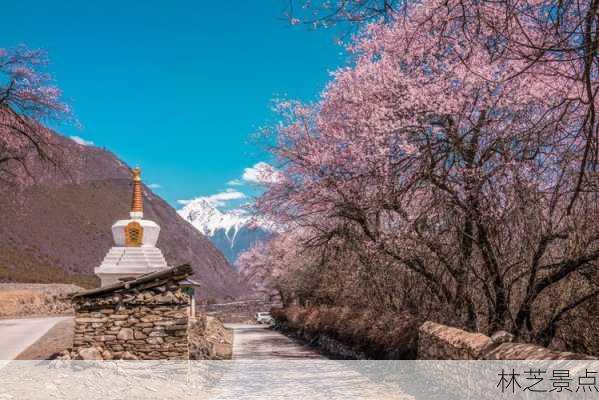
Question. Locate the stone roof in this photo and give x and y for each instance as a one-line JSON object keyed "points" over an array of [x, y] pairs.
{"points": [[143, 282]]}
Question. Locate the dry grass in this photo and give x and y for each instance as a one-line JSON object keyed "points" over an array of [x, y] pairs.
{"points": [[18, 300]]}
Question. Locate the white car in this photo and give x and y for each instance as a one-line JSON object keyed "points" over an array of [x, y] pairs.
{"points": [[264, 318]]}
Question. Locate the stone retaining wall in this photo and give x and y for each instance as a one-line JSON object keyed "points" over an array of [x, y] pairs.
{"points": [[526, 351], [441, 342], [148, 324]]}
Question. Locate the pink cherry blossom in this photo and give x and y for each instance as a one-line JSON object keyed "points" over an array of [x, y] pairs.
{"points": [[28, 98], [442, 156]]}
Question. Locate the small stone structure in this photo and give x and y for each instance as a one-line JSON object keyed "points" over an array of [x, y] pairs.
{"points": [[441, 342], [144, 318]]}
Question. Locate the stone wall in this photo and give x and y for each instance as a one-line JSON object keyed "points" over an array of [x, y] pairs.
{"points": [[526, 351], [477, 380], [238, 311], [143, 324], [209, 339], [440, 342]]}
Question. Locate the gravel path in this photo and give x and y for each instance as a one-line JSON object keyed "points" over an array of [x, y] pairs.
{"points": [[258, 342]]}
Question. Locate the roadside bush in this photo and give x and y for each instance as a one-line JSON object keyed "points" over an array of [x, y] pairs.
{"points": [[384, 335]]}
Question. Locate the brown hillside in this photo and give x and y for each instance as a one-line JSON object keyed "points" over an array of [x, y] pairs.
{"points": [[56, 227]]}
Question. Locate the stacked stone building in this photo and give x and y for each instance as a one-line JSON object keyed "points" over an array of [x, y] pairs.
{"points": [[142, 309], [145, 318]]}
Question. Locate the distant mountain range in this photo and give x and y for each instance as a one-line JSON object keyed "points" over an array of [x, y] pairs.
{"points": [[56, 226], [231, 231]]}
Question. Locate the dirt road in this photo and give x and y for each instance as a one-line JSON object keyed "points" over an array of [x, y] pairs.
{"points": [[257, 342]]}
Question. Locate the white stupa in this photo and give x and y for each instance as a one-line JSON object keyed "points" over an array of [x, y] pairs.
{"points": [[134, 252]]}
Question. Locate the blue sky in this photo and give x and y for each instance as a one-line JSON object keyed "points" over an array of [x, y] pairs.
{"points": [[176, 87]]}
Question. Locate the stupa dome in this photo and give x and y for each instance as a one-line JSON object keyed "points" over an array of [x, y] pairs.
{"points": [[134, 252]]}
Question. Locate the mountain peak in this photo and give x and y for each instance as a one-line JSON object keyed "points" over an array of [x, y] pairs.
{"points": [[232, 231], [206, 218]]}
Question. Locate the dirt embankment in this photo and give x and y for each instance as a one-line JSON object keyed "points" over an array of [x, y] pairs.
{"points": [[32, 300], [341, 332]]}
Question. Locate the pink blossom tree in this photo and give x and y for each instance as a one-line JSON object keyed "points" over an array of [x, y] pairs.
{"points": [[254, 266], [436, 157], [561, 36], [271, 268], [28, 99], [326, 13]]}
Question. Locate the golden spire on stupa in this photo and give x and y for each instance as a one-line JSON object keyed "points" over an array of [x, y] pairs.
{"points": [[137, 205]]}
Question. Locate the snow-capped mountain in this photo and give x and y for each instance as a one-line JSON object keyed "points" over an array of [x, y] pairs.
{"points": [[232, 231]]}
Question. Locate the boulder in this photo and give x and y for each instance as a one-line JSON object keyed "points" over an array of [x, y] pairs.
{"points": [[90, 353]]}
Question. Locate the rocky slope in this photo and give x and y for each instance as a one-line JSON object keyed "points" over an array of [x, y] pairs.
{"points": [[56, 226], [27, 299]]}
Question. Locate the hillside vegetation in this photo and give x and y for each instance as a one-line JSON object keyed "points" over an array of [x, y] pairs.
{"points": [[57, 217]]}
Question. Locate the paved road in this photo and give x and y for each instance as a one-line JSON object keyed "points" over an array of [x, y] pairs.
{"points": [[18, 334], [258, 342], [269, 365]]}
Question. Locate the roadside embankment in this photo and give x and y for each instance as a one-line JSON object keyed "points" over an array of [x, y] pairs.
{"points": [[351, 334], [29, 300], [364, 334]]}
